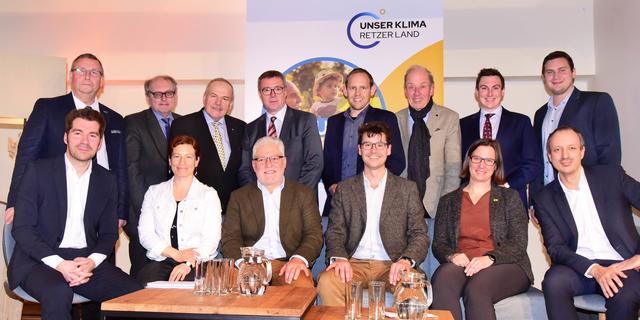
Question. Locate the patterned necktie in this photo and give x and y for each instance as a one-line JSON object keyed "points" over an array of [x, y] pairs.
{"points": [[486, 129], [217, 140], [272, 128], [166, 126]]}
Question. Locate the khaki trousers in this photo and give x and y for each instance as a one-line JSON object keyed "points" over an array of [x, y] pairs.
{"points": [[277, 280]]}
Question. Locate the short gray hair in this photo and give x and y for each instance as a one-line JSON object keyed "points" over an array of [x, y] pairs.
{"points": [[147, 83], [267, 141], [417, 67]]}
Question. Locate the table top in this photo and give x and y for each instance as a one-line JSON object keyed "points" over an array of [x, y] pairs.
{"points": [[280, 301], [337, 313]]}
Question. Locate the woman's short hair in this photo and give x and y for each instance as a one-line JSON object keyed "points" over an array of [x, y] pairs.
{"points": [[184, 139], [498, 173]]}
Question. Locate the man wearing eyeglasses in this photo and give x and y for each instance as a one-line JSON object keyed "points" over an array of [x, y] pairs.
{"points": [[43, 132], [147, 133], [376, 225], [277, 215], [219, 136], [297, 129]]}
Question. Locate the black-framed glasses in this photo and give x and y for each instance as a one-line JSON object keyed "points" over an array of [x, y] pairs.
{"points": [[159, 95], [266, 91], [370, 145], [487, 161], [264, 160], [94, 73]]}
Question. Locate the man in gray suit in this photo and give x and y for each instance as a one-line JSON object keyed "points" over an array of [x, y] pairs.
{"points": [[432, 145], [147, 158], [376, 224], [297, 129]]}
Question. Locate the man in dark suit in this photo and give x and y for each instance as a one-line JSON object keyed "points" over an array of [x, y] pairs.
{"points": [[147, 159], [512, 130], [277, 215], [219, 136], [66, 224], [341, 159], [376, 225], [42, 135], [591, 113], [588, 230], [297, 129]]}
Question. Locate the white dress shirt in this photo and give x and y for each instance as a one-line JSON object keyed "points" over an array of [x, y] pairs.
{"points": [[74, 236], [199, 221], [592, 240], [494, 120], [101, 156], [550, 123], [370, 246], [279, 120]]}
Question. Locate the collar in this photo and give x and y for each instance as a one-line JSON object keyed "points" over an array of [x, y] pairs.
{"points": [[265, 190], [280, 114], [581, 184], [497, 112], [382, 183], [160, 117], [210, 120], [81, 105], [563, 102], [68, 166], [361, 114]]}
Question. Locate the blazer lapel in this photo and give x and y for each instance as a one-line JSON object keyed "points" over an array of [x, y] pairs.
{"points": [[94, 204], [503, 127], [262, 126], [563, 208], [403, 123], [495, 203], [571, 108], [285, 131], [211, 149], [257, 205], [475, 126], [286, 199], [360, 201], [600, 200], [156, 133], [60, 179], [388, 201]]}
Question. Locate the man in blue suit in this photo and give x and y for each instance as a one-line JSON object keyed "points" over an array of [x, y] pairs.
{"points": [[42, 135], [587, 226], [591, 113], [66, 224], [513, 131], [341, 159]]}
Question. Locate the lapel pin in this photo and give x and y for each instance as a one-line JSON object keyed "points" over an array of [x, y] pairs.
{"points": [[495, 200]]}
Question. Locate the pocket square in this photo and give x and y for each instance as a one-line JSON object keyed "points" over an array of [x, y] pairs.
{"points": [[116, 131]]}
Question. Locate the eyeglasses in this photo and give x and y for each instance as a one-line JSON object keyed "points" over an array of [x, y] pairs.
{"points": [[266, 91], [487, 161], [370, 145], [271, 159], [159, 95], [94, 73]]}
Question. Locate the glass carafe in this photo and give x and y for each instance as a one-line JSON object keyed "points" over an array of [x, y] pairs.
{"points": [[255, 272], [413, 297]]}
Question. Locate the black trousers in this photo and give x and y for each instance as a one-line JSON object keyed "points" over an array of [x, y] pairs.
{"points": [[160, 271], [478, 292], [55, 295], [562, 283]]}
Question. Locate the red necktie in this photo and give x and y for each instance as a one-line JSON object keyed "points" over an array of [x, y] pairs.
{"points": [[272, 128], [486, 129]]}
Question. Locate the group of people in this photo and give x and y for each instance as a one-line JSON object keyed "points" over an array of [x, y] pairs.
{"points": [[206, 184]]}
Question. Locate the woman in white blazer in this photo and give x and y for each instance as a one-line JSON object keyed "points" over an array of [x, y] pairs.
{"points": [[180, 218]]}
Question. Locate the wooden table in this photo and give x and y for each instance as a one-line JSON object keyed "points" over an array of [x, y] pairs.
{"points": [[279, 302], [337, 313]]}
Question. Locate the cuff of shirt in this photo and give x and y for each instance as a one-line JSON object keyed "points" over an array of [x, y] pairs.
{"points": [[306, 263], [333, 259], [586, 274], [97, 258], [52, 261]]}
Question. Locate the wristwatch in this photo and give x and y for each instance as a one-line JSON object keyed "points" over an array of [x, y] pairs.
{"points": [[492, 257], [413, 262]]}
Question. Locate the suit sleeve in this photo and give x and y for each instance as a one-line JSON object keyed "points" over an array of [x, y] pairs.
{"points": [[328, 178], [417, 235], [245, 173], [313, 158], [336, 235], [396, 161], [312, 231], [231, 228], [606, 131], [29, 147], [108, 223], [557, 247], [122, 175], [149, 239], [452, 157], [442, 247], [136, 178], [514, 245], [530, 167], [25, 223]]}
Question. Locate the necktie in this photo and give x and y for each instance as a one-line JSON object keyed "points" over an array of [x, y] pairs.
{"points": [[217, 140], [272, 128], [166, 127], [486, 129], [419, 149]]}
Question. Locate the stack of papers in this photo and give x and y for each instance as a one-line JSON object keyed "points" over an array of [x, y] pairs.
{"points": [[171, 285]]}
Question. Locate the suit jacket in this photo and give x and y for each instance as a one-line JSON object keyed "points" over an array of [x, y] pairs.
{"points": [[147, 159], [302, 146], [613, 192], [333, 138], [42, 137], [444, 161], [41, 214], [402, 225], [508, 221], [595, 116], [209, 169], [300, 228], [517, 139]]}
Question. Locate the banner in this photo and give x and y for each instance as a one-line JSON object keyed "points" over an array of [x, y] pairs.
{"points": [[317, 43]]}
